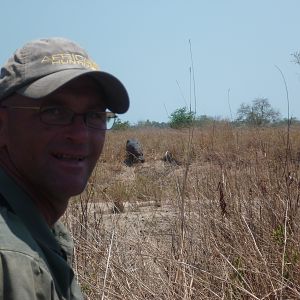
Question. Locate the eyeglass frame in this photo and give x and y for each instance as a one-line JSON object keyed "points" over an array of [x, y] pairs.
{"points": [[108, 114]]}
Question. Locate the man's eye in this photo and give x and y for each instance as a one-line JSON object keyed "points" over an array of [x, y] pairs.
{"points": [[54, 111], [95, 115], [55, 114]]}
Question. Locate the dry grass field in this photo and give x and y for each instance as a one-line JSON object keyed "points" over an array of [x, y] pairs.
{"points": [[224, 224]]}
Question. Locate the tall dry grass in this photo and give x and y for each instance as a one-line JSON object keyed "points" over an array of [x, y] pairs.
{"points": [[222, 225]]}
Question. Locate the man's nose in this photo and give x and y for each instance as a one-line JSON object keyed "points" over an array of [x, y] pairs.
{"points": [[78, 130]]}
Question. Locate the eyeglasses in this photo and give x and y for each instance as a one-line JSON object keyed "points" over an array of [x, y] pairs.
{"points": [[60, 115]]}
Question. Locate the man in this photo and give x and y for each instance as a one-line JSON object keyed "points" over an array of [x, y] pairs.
{"points": [[53, 102]]}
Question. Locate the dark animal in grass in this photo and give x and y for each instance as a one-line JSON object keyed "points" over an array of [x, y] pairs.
{"points": [[169, 158], [134, 152]]}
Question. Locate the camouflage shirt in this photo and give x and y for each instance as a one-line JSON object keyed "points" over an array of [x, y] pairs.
{"points": [[35, 260]]}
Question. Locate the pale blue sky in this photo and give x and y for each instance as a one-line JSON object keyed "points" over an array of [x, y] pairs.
{"points": [[145, 43]]}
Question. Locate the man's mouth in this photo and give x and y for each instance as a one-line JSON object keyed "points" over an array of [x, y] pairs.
{"points": [[69, 157]]}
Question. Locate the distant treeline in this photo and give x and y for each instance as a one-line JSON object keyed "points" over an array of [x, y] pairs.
{"points": [[200, 121], [258, 113]]}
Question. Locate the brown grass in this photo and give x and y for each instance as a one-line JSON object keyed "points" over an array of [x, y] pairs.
{"points": [[222, 225]]}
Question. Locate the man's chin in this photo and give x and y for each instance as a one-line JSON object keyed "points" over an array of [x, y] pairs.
{"points": [[70, 189]]}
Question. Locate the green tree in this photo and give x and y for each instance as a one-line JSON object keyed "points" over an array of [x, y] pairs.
{"points": [[181, 118], [259, 113], [120, 125]]}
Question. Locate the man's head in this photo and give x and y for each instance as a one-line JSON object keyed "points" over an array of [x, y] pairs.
{"points": [[52, 103]]}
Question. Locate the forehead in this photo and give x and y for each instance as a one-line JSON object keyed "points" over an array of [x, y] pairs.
{"points": [[84, 90]]}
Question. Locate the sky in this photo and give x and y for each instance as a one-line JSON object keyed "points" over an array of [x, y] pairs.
{"points": [[211, 54]]}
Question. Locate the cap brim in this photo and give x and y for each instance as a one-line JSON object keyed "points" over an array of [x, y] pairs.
{"points": [[116, 96]]}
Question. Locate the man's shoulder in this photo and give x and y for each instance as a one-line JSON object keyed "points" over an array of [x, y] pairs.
{"points": [[14, 236]]}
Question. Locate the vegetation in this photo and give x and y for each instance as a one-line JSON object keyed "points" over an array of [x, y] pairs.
{"points": [[121, 125], [149, 124], [224, 224], [259, 113], [296, 57], [181, 118]]}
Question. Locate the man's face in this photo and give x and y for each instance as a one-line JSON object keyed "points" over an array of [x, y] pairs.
{"points": [[54, 160]]}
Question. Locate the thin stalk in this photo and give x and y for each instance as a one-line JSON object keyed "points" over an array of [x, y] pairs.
{"points": [[288, 200], [107, 263]]}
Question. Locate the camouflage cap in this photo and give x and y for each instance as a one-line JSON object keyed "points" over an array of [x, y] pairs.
{"points": [[42, 66]]}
